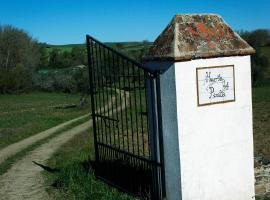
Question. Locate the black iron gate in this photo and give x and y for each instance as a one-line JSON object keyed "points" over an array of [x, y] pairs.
{"points": [[125, 128]]}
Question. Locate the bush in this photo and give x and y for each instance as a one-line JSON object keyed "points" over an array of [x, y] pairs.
{"points": [[70, 80], [17, 79]]}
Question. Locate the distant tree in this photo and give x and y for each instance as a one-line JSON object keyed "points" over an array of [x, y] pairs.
{"points": [[119, 45], [81, 78], [66, 59], [260, 63], [55, 58], [257, 38], [19, 57], [44, 57], [259, 66], [78, 55], [17, 47], [146, 45]]}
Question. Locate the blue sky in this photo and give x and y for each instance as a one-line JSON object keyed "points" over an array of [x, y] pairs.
{"points": [[67, 21]]}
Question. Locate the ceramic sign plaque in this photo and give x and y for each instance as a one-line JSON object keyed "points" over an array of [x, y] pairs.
{"points": [[215, 85]]}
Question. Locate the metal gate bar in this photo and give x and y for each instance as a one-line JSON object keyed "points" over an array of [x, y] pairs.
{"points": [[125, 119]]}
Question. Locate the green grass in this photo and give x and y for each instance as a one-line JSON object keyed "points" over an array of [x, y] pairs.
{"points": [[63, 48], [75, 180], [24, 115], [261, 94], [123, 46], [266, 52], [27, 114], [8, 162], [263, 197], [261, 121]]}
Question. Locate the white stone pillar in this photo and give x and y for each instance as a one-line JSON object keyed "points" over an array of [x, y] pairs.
{"points": [[206, 107]]}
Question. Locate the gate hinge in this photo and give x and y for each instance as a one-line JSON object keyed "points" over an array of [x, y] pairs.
{"points": [[153, 75]]}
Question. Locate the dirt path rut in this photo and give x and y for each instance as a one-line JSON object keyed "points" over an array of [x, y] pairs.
{"points": [[19, 146], [23, 180]]}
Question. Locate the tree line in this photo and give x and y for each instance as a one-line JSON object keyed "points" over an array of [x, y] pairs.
{"points": [[260, 62], [57, 58], [22, 56]]}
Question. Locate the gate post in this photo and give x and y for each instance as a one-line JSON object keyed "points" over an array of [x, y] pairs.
{"points": [[205, 108], [90, 50]]}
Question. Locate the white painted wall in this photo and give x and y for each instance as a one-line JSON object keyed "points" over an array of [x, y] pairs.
{"points": [[215, 141]]}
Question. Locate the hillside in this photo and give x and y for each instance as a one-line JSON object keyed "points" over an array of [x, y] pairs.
{"points": [[136, 50], [132, 49], [128, 47]]}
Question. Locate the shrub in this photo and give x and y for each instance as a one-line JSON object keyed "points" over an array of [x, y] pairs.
{"points": [[19, 54], [70, 80], [17, 79]]}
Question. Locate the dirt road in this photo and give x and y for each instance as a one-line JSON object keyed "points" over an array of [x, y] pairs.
{"points": [[24, 179], [19, 146]]}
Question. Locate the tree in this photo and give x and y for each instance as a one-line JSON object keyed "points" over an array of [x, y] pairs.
{"points": [[259, 64], [78, 55], [17, 47], [55, 58], [19, 57], [257, 38], [66, 59], [44, 57], [119, 45]]}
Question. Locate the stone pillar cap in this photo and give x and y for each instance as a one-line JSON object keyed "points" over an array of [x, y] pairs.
{"points": [[195, 36]]}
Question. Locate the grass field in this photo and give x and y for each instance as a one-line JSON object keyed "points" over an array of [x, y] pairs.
{"points": [[266, 52], [125, 46], [261, 121], [76, 179], [63, 48], [27, 114], [129, 48], [5, 166], [261, 127]]}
